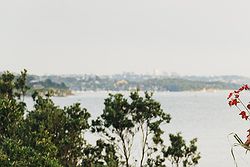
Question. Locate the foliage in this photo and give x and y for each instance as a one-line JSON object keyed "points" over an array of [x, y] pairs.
{"points": [[156, 162], [48, 83], [51, 136], [148, 117], [101, 155], [123, 118], [47, 86], [116, 125], [179, 152], [63, 128], [11, 108], [16, 154]]}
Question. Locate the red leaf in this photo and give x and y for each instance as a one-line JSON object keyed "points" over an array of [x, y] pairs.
{"points": [[235, 102], [230, 95], [246, 87], [243, 115], [236, 91], [242, 88]]}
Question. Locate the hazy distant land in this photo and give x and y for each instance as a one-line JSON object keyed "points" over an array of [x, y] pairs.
{"points": [[130, 81]]}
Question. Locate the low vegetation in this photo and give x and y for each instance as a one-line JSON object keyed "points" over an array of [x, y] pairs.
{"points": [[51, 136]]}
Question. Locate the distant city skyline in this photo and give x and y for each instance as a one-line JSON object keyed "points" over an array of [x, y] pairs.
{"points": [[108, 37]]}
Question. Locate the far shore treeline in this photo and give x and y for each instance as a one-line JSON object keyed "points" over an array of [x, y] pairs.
{"points": [[130, 81], [51, 136]]}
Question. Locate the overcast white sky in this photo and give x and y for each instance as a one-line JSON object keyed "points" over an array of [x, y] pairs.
{"points": [[198, 37]]}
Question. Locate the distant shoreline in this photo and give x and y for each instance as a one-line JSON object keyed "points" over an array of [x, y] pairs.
{"points": [[127, 91]]}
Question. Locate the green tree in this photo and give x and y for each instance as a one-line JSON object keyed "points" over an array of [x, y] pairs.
{"points": [[11, 108], [124, 118], [148, 116], [21, 85], [57, 131], [14, 153], [101, 155], [179, 152], [45, 136], [116, 125]]}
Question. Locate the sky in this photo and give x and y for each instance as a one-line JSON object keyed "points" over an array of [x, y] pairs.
{"points": [[188, 37]]}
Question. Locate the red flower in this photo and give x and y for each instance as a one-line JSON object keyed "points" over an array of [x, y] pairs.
{"points": [[230, 95], [243, 115], [233, 102]]}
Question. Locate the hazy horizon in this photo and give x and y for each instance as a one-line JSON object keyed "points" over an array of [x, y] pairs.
{"points": [[153, 73], [108, 37]]}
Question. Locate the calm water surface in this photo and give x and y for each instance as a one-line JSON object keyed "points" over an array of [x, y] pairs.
{"points": [[204, 115]]}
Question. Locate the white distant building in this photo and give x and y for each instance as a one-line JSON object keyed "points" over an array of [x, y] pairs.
{"points": [[156, 72]]}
